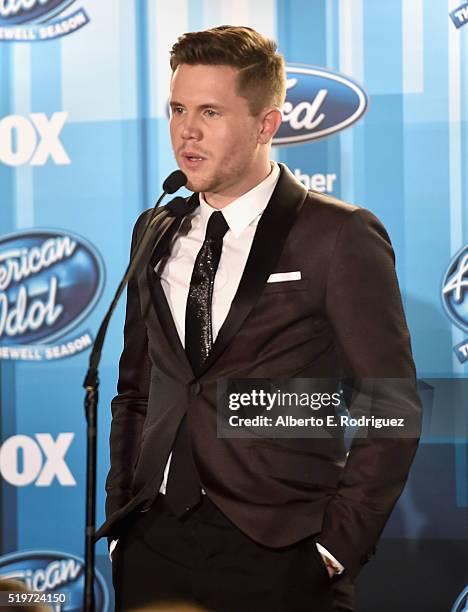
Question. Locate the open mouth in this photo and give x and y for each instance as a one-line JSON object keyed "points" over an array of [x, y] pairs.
{"points": [[192, 160]]}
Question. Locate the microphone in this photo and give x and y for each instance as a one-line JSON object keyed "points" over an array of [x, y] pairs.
{"points": [[174, 181], [171, 218], [91, 383], [178, 207]]}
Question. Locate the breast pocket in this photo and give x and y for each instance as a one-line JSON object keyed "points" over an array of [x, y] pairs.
{"points": [[286, 286]]}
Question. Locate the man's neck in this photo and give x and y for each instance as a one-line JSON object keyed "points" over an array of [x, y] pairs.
{"points": [[221, 200]]}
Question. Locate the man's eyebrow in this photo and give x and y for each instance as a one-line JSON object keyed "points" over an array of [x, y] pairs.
{"points": [[212, 105], [174, 103]]}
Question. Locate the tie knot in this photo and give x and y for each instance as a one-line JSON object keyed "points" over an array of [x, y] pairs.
{"points": [[217, 226]]}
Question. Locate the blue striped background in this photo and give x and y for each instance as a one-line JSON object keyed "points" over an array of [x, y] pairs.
{"points": [[112, 78]]}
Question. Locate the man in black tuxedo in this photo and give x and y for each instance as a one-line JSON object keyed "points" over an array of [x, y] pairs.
{"points": [[260, 279]]}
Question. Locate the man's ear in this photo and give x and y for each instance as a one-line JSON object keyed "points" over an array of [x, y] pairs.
{"points": [[270, 121]]}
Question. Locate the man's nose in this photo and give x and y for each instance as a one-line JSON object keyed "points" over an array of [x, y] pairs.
{"points": [[191, 128]]}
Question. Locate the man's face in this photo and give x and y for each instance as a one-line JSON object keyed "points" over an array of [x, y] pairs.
{"points": [[213, 134]]}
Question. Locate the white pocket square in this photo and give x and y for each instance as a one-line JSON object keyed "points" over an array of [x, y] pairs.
{"points": [[284, 276]]}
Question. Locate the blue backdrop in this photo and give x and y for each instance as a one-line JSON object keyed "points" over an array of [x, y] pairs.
{"points": [[84, 145]]}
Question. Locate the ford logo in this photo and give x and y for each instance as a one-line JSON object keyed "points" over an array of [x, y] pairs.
{"points": [[55, 573], [455, 289], [318, 103], [50, 280], [13, 12]]}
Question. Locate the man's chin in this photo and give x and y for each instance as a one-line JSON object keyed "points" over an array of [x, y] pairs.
{"points": [[191, 185], [198, 185]]}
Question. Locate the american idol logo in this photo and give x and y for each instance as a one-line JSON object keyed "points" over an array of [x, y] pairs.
{"points": [[461, 603], [455, 289], [13, 12], [455, 297], [54, 573], [318, 103], [49, 282], [16, 14]]}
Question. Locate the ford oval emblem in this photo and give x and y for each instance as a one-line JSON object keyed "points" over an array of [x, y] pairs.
{"points": [[318, 103], [55, 573], [50, 280], [13, 12]]}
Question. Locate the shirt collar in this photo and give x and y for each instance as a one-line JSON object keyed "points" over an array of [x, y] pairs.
{"points": [[244, 211]]}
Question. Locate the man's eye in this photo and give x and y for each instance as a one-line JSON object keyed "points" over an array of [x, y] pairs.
{"points": [[177, 110], [209, 112]]}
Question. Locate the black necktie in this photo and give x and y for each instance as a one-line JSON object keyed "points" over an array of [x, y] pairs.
{"points": [[183, 486]]}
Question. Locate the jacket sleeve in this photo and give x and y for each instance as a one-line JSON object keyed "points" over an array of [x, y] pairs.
{"points": [[129, 406], [364, 307]]}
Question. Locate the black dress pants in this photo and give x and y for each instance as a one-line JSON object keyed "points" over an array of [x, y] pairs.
{"points": [[204, 559]]}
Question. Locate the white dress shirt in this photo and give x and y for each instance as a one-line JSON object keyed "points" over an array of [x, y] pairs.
{"points": [[242, 216]]}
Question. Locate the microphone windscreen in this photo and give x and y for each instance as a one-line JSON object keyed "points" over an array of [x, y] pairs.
{"points": [[174, 181], [178, 207]]}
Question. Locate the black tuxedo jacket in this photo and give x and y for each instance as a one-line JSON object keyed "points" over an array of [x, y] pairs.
{"points": [[343, 318]]}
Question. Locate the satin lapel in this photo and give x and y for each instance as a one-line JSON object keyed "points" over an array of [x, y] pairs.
{"points": [[270, 237], [158, 296], [165, 319]]}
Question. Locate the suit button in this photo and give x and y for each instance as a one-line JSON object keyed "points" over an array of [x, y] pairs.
{"points": [[195, 388]]}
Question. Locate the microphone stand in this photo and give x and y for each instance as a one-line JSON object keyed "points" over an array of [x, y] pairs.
{"points": [[91, 384]]}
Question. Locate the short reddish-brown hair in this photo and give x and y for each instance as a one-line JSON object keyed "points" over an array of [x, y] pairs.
{"points": [[261, 79]]}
